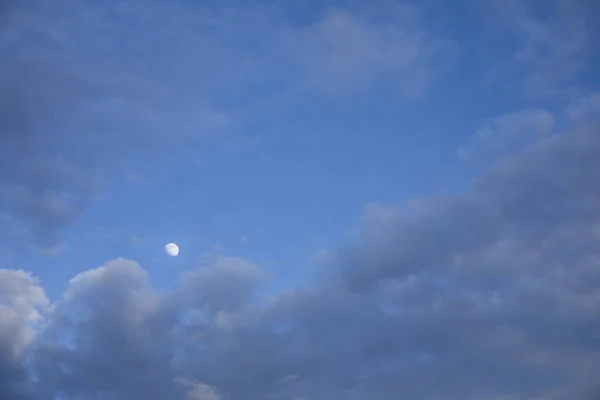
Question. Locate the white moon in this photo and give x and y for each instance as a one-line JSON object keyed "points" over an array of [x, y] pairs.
{"points": [[172, 249]]}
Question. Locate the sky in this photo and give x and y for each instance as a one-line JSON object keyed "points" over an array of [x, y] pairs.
{"points": [[373, 201]]}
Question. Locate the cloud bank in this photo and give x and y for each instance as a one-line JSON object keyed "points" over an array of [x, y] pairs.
{"points": [[493, 294]]}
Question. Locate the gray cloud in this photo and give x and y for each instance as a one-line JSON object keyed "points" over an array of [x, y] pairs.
{"points": [[22, 305], [489, 295]]}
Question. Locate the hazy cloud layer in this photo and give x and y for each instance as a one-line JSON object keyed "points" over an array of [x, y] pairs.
{"points": [[71, 71], [86, 90]]}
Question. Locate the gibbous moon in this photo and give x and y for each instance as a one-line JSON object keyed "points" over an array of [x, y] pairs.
{"points": [[172, 249]]}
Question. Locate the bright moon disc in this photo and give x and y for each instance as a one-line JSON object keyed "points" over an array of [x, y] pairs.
{"points": [[172, 249]]}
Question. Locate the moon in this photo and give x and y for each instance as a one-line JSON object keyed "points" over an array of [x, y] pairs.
{"points": [[172, 249]]}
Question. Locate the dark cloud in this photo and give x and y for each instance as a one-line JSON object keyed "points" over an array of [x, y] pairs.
{"points": [[490, 295]]}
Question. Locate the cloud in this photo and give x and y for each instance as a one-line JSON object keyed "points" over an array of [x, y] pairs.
{"points": [[67, 122], [554, 40], [22, 306], [488, 294], [77, 109], [585, 107], [508, 132], [38, 187], [491, 294], [531, 193], [198, 390], [344, 52], [555, 48], [225, 284]]}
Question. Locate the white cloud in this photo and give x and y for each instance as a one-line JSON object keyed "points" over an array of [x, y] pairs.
{"points": [[23, 306], [198, 390]]}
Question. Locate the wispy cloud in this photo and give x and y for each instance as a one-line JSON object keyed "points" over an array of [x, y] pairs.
{"points": [[584, 107], [91, 88], [508, 132], [345, 52], [554, 40]]}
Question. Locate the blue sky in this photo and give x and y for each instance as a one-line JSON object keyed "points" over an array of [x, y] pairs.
{"points": [[315, 161]]}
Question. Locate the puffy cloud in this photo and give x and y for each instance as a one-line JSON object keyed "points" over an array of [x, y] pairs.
{"points": [[198, 390], [106, 337], [494, 294], [22, 306]]}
